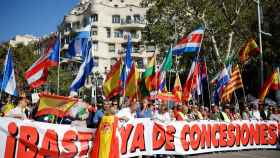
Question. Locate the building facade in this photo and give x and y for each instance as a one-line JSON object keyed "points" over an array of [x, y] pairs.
{"points": [[23, 39], [110, 21]]}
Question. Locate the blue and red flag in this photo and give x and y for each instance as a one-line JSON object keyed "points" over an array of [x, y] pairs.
{"points": [[127, 62], [190, 43]]}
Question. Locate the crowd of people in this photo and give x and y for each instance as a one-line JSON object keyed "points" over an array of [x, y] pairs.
{"points": [[131, 109]]}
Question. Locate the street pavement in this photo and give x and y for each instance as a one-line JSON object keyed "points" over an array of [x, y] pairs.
{"points": [[241, 154]]}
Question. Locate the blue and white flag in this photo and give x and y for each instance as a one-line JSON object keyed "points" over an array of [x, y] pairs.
{"points": [[84, 71], [8, 84], [127, 62], [78, 46], [222, 81]]}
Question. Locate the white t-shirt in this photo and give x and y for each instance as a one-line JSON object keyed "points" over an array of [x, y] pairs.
{"points": [[256, 115], [126, 112], [165, 117], [17, 111]]}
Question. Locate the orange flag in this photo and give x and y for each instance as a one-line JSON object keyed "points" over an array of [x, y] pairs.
{"points": [[276, 81], [106, 144], [177, 89], [249, 49], [267, 85]]}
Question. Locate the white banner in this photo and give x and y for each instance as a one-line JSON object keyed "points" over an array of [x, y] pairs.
{"points": [[146, 137], [31, 139]]}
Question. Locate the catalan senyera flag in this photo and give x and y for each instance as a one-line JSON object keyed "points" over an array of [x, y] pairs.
{"points": [[55, 105], [177, 89], [249, 49], [271, 83], [106, 144], [131, 88], [234, 83], [147, 84], [268, 84], [112, 84], [276, 81]]}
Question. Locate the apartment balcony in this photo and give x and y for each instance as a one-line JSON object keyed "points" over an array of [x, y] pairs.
{"points": [[133, 24]]}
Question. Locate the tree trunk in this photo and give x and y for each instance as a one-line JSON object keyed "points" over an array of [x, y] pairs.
{"points": [[216, 48], [229, 44]]}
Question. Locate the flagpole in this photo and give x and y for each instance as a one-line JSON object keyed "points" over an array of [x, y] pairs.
{"points": [[58, 67], [260, 39], [208, 87], [169, 74]]}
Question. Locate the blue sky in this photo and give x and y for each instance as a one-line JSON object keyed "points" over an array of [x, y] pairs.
{"points": [[36, 17]]}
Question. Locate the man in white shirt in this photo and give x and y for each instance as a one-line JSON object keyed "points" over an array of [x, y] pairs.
{"points": [[19, 111], [129, 112]]}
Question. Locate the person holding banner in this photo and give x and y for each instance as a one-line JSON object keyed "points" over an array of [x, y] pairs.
{"points": [[128, 113], [144, 111], [163, 114], [100, 113], [20, 110]]}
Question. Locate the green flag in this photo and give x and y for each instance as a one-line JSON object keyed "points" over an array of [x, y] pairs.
{"points": [[167, 62]]}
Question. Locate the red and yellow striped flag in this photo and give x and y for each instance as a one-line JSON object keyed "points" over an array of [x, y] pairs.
{"points": [[55, 105], [131, 86], [106, 144], [267, 85], [234, 83], [249, 49], [112, 84]]}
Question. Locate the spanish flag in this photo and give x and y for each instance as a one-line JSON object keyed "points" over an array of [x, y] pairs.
{"points": [[131, 86], [177, 89], [112, 84], [106, 144], [55, 105], [268, 84], [249, 49]]}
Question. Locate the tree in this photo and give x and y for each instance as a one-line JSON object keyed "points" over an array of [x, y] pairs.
{"points": [[224, 21]]}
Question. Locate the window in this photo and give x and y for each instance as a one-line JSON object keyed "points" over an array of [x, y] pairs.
{"points": [[122, 1], [128, 19], [111, 47], [134, 34], [67, 27], [76, 25], [116, 19], [94, 18], [96, 61], [95, 45], [86, 21], [136, 18], [94, 30], [118, 33], [108, 30]]}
